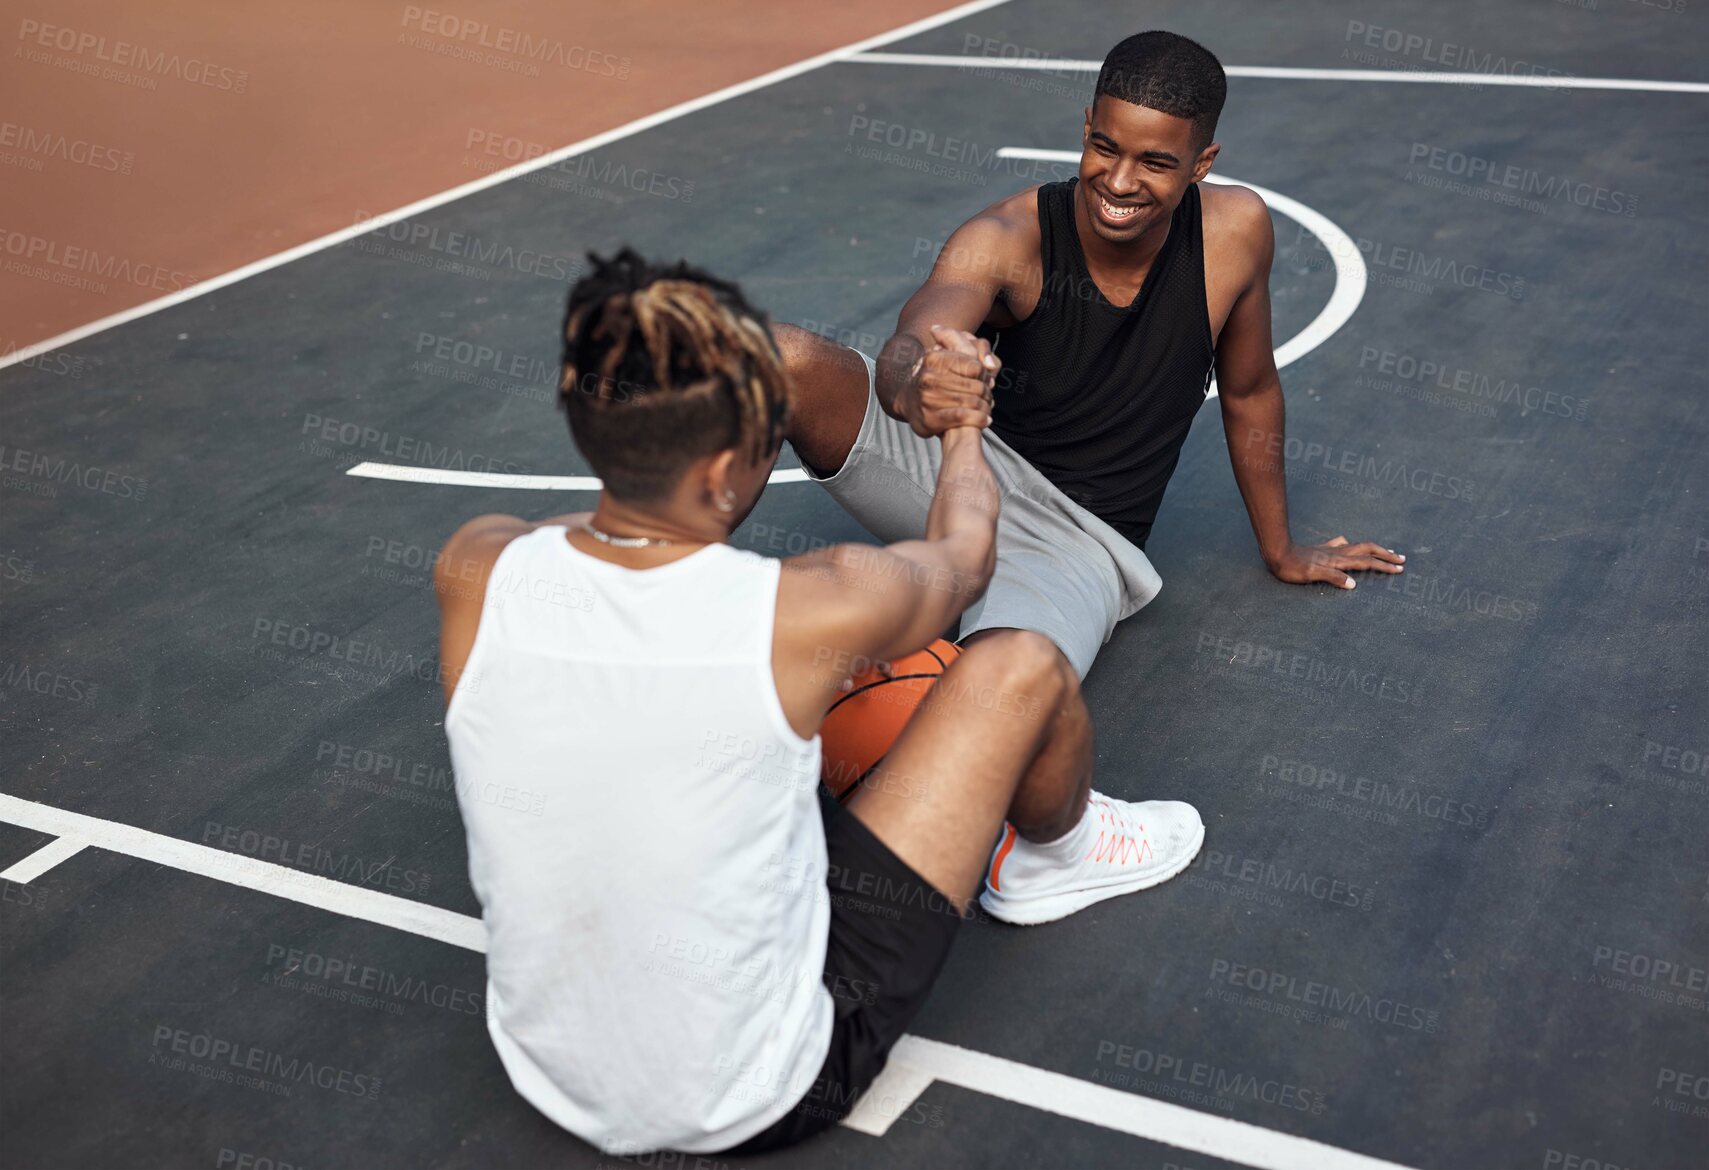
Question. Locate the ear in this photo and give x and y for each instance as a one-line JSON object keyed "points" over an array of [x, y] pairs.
{"points": [[718, 474], [1207, 156], [1086, 130]]}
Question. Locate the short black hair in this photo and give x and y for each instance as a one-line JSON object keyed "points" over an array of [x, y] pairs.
{"points": [[663, 365], [1170, 74]]}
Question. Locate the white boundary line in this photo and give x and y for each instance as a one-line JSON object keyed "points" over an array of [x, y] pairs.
{"points": [[28, 869], [916, 1061], [213, 284], [405, 473], [1351, 279], [1070, 65], [309, 889]]}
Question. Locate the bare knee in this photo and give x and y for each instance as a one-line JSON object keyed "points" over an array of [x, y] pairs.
{"points": [[1023, 669]]}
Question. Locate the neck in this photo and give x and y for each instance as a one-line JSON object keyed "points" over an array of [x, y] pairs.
{"points": [[617, 518]]}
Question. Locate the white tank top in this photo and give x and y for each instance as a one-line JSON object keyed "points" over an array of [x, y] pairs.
{"points": [[645, 840]]}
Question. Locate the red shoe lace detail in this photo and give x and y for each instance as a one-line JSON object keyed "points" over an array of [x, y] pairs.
{"points": [[1119, 842]]}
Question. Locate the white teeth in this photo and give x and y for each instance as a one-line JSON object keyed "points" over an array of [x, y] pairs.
{"points": [[1115, 212]]}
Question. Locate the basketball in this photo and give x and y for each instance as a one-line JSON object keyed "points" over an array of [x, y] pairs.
{"points": [[862, 725]]}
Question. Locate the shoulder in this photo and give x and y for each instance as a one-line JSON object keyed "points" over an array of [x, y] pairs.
{"points": [[1237, 214], [471, 551]]}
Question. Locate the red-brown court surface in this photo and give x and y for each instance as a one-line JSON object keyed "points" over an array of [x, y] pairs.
{"points": [[144, 147]]}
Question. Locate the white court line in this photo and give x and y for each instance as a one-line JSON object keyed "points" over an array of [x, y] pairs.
{"points": [[309, 889], [495, 479], [28, 869], [691, 106], [1070, 65], [1351, 279], [921, 1060]]}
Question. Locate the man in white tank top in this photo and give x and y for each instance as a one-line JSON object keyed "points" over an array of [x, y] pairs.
{"points": [[687, 947]]}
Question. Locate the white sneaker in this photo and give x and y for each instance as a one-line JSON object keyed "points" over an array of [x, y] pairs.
{"points": [[1117, 848]]}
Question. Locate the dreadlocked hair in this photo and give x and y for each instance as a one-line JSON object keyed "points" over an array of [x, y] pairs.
{"points": [[663, 366]]}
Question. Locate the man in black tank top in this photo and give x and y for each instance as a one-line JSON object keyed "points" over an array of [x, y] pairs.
{"points": [[1109, 299]]}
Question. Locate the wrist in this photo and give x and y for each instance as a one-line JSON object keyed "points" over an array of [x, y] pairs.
{"points": [[1274, 554]]}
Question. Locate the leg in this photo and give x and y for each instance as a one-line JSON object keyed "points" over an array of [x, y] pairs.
{"points": [[828, 390], [1052, 793], [1004, 728]]}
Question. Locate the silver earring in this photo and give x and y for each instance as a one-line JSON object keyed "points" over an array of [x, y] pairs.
{"points": [[728, 503]]}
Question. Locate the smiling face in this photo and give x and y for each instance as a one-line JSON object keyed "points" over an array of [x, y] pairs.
{"points": [[1136, 164]]}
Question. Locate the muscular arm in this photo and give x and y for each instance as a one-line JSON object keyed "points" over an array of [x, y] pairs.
{"points": [[961, 293], [1254, 423], [1250, 391]]}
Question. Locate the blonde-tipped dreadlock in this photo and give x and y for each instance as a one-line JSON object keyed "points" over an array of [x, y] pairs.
{"points": [[663, 366]]}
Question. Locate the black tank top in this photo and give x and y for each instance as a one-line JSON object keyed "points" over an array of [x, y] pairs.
{"points": [[1100, 398]]}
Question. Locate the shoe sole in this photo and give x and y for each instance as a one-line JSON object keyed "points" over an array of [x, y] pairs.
{"points": [[1038, 911]]}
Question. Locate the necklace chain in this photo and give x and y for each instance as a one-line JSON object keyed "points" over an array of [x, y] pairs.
{"points": [[626, 541]]}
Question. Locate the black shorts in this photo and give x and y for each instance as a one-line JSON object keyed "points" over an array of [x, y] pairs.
{"points": [[890, 935]]}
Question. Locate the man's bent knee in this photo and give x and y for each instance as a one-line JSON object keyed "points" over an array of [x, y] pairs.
{"points": [[1022, 664]]}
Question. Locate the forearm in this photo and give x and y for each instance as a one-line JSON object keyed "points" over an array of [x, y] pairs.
{"points": [[896, 365], [1255, 426], [964, 508]]}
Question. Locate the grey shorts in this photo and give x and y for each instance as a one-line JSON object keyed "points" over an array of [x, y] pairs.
{"points": [[1061, 571]]}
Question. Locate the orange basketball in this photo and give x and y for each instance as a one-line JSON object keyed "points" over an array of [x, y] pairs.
{"points": [[862, 725]]}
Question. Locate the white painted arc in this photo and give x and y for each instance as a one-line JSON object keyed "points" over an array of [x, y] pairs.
{"points": [[920, 1060], [1351, 279], [1351, 276], [450, 195], [1289, 73]]}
